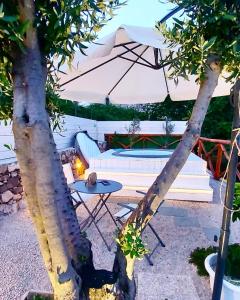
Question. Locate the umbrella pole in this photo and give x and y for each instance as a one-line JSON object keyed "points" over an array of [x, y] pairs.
{"points": [[229, 197]]}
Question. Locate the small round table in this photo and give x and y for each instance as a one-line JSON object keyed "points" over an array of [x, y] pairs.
{"points": [[104, 188]]}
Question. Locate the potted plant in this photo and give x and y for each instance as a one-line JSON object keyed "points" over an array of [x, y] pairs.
{"points": [[208, 257], [231, 282]]}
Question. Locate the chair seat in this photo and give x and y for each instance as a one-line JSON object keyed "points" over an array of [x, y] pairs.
{"points": [[125, 212], [84, 197]]}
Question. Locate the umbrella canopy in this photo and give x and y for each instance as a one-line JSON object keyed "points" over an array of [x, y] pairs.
{"points": [[126, 68]]}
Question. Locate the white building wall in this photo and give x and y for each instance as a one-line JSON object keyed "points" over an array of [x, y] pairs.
{"points": [[64, 138], [70, 125], [147, 127], [6, 137]]}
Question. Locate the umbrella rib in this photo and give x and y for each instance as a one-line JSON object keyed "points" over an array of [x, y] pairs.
{"points": [[164, 72], [124, 44], [146, 61], [170, 14], [98, 66], [139, 63], [156, 67], [128, 70]]}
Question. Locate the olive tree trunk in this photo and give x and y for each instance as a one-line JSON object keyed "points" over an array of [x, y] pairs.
{"points": [[156, 193], [65, 251]]}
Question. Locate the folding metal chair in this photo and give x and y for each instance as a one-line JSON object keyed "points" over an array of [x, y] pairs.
{"points": [[126, 211]]}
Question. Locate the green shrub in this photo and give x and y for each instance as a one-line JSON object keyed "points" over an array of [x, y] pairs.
{"points": [[236, 203], [197, 258], [232, 269], [100, 112], [217, 123], [131, 243], [38, 297]]}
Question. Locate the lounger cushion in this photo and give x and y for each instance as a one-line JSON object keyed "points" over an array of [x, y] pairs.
{"points": [[87, 147]]}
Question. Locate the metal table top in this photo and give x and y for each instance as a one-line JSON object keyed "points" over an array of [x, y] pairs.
{"points": [[98, 188]]}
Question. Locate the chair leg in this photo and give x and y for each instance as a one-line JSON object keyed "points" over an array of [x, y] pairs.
{"points": [[95, 223], [160, 243], [148, 259], [114, 221], [156, 235]]}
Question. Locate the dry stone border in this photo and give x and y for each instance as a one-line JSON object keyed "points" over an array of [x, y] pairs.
{"points": [[11, 190]]}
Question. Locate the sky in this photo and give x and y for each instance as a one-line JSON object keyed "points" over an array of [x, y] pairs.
{"points": [[137, 12]]}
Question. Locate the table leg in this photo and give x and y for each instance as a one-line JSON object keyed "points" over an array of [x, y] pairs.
{"points": [[94, 213], [95, 223], [105, 204]]}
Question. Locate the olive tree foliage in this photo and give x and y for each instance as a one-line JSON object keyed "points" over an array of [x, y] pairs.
{"points": [[208, 27], [63, 27]]}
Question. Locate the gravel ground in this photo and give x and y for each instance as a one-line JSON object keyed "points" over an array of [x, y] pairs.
{"points": [[183, 226]]}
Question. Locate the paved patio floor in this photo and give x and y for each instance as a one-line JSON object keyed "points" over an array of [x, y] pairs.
{"points": [[183, 226]]}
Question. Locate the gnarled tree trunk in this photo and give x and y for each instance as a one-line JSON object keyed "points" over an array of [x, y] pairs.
{"points": [[48, 197], [35, 153], [155, 195]]}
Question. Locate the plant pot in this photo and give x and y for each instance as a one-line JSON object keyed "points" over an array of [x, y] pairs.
{"points": [[30, 294], [229, 290]]}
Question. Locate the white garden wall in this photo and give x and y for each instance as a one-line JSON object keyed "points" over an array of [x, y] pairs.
{"points": [[147, 127], [96, 129]]}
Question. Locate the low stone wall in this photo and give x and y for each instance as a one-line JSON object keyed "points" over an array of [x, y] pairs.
{"points": [[11, 191], [69, 156]]}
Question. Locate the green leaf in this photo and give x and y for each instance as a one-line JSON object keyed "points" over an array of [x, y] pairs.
{"points": [[23, 27], [208, 44], [179, 22], [1, 12], [8, 146], [10, 19], [229, 17]]}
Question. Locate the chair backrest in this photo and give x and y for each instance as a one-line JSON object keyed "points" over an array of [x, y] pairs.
{"points": [[87, 146], [67, 169]]}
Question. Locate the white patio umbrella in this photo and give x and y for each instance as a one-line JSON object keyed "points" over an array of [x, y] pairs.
{"points": [[125, 67]]}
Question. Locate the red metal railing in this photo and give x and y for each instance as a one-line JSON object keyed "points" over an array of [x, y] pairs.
{"points": [[216, 153], [140, 139]]}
